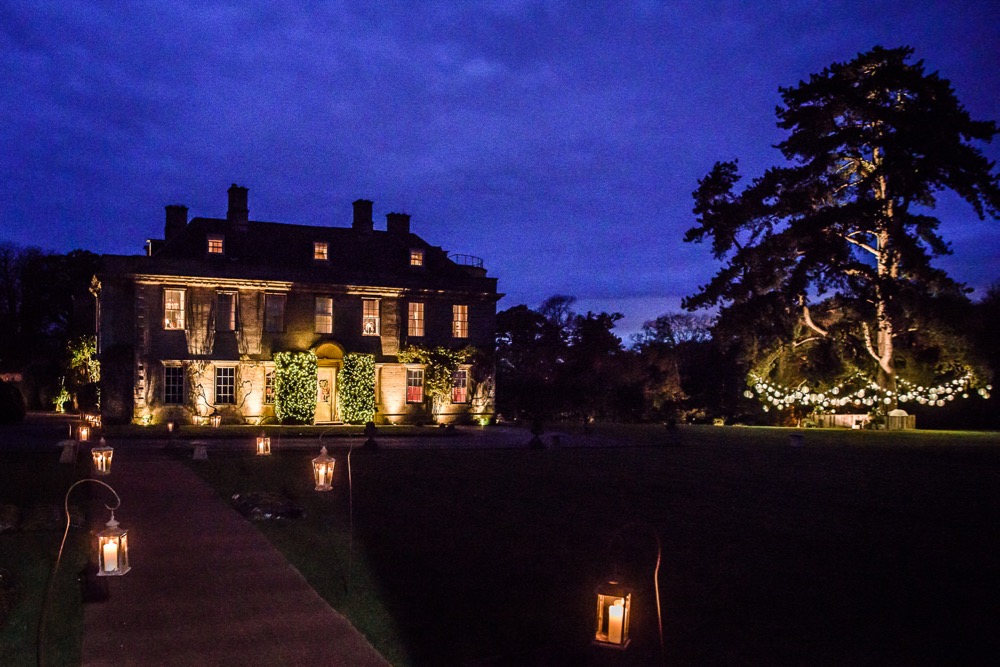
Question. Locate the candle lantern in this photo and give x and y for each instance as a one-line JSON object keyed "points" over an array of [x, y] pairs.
{"points": [[170, 427], [83, 433], [323, 470], [263, 445], [613, 602], [112, 550], [102, 459], [216, 420]]}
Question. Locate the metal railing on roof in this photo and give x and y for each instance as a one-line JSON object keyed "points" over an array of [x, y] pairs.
{"points": [[467, 260]]}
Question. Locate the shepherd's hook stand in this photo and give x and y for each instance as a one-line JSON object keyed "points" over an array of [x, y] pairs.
{"points": [[40, 640]]}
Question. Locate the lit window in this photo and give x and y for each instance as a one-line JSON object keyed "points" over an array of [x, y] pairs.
{"points": [[460, 321], [324, 314], [269, 387], [321, 250], [225, 314], [173, 309], [369, 317], [460, 386], [414, 385], [173, 385], [225, 385], [415, 319], [215, 244], [274, 313], [416, 256]]}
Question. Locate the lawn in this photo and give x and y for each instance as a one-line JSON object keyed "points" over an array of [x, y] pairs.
{"points": [[854, 548], [35, 483]]}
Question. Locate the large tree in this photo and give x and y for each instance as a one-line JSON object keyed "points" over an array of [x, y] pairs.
{"points": [[827, 259]]}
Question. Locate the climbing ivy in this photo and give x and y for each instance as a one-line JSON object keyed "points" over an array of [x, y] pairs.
{"points": [[440, 364]]}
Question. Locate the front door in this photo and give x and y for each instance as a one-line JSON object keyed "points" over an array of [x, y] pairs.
{"points": [[326, 394]]}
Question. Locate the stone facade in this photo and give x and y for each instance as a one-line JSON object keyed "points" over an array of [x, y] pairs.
{"points": [[190, 329]]}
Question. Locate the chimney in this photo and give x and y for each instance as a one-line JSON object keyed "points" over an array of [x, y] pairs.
{"points": [[363, 216], [397, 223], [177, 219], [238, 213]]}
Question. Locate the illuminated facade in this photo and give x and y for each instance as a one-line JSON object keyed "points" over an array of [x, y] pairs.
{"points": [[190, 329]]}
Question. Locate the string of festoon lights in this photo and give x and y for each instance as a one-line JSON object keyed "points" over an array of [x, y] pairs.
{"points": [[859, 391]]}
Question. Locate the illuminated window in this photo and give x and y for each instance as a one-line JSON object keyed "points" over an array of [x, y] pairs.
{"points": [[173, 309], [415, 319], [173, 385], [225, 385], [269, 387], [369, 317], [321, 250], [225, 314], [416, 256], [414, 385], [460, 386], [460, 321], [215, 244], [274, 313], [324, 314]]}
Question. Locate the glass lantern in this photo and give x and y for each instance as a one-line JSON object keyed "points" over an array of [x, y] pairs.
{"points": [[102, 459], [170, 427], [216, 421], [112, 550], [263, 445], [613, 602], [83, 433], [323, 470]]}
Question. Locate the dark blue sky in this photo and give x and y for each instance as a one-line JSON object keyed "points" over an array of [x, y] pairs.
{"points": [[558, 141]]}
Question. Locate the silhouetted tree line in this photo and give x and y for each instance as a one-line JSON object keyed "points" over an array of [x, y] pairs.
{"points": [[45, 302], [555, 364]]}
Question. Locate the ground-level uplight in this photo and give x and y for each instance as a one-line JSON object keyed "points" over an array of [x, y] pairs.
{"points": [[613, 606], [263, 445], [102, 458], [323, 470]]}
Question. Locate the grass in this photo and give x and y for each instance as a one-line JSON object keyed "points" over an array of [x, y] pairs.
{"points": [[30, 480], [855, 548]]}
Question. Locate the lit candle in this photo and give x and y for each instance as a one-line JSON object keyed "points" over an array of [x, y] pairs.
{"points": [[616, 613], [110, 556]]}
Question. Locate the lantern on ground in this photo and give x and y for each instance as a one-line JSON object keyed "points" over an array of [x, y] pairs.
{"points": [[323, 470], [83, 433], [263, 445], [170, 427], [613, 602], [112, 550], [216, 421], [102, 458]]}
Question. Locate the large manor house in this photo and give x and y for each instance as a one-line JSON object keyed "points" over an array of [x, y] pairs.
{"points": [[189, 330]]}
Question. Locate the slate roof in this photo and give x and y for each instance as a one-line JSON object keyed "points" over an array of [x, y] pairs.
{"points": [[284, 252]]}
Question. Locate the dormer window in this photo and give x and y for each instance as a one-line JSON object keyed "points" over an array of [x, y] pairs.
{"points": [[216, 244], [416, 256], [321, 250]]}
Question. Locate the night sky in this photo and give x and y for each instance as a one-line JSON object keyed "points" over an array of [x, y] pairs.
{"points": [[560, 142]]}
